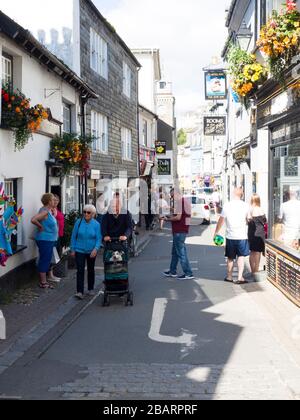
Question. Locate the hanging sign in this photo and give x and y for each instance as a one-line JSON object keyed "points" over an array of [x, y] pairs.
{"points": [[215, 85], [215, 126]]}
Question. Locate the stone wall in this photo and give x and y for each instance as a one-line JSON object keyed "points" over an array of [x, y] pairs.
{"points": [[120, 110]]}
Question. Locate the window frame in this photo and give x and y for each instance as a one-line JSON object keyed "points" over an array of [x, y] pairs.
{"points": [[100, 130], [66, 106], [7, 58], [126, 143], [127, 76], [98, 54]]}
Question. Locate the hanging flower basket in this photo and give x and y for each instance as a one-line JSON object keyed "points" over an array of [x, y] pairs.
{"points": [[246, 73], [18, 115], [280, 39], [72, 152]]}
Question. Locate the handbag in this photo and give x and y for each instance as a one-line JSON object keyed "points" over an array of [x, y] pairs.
{"points": [[60, 270], [55, 257]]}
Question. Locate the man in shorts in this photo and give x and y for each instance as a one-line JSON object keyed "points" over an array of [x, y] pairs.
{"points": [[234, 215]]}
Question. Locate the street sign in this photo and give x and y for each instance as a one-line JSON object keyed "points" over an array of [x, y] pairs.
{"points": [[215, 126], [215, 85], [161, 147], [164, 167]]}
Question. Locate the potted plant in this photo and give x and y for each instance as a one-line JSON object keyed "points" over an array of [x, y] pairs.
{"points": [[18, 115], [246, 73], [280, 39], [72, 152], [70, 220]]}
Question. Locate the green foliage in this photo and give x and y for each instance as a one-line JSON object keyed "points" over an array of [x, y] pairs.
{"points": [[72, 152], [70, 220], [181, 137]]}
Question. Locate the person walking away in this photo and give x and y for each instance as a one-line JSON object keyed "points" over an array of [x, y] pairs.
{"points": [[234, 215], [290, 217], [163, 210], [46, 237], [85, 244], [256, 233], [180, 228], [117, 222]]}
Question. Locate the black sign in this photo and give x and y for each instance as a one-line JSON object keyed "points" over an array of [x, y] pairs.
{"points": [[164, 166], [161, 147], [215, 126]]}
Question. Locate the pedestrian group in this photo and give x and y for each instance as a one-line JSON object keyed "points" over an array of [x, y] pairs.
{"points": [[246, 230]]}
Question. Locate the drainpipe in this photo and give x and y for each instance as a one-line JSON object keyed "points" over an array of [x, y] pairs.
{"points": [[83, 133]]}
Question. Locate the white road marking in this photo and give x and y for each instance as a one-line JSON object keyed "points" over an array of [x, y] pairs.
{"points": [[159, 310]]}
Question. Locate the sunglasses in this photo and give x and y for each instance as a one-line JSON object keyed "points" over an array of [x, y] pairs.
{"points": [[87, 212]]}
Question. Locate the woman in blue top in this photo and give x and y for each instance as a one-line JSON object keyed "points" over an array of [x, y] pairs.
{"points": [[85, 244], [46, 237]]}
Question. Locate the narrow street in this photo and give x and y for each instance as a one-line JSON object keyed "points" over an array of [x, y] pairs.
{"points": [[201, 339]]}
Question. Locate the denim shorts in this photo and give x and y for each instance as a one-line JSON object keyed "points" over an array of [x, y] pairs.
{"points": [[236, 248]]}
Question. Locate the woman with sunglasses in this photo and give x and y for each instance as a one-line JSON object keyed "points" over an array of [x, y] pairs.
{"points": [[85, 244]]}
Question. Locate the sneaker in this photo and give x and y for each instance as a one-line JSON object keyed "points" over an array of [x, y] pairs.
{"points": [[184, 277], [169, 274], [54, 279], [91, 293], [79, 296]]}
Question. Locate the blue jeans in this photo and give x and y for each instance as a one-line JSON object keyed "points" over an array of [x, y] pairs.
{"points": [[179, 254]]}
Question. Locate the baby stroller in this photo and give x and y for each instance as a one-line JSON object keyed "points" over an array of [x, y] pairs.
{"points": [[116, 281]]}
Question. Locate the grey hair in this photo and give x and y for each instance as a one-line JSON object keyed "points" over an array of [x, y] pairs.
{"points": [[91, 208]]}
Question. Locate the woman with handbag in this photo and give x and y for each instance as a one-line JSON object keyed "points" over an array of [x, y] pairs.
{"points": [[46, 237], [257, 221], [85, 244]]}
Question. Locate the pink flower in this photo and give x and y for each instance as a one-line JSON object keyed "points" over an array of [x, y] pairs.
{"points": [[291, 5]]}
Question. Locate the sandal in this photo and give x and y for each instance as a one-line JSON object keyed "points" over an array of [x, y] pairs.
{"points": [[241, 282], [228, 280], [45, 286]]}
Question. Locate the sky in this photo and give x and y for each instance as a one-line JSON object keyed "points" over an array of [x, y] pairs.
{"points": [[187, 32]]}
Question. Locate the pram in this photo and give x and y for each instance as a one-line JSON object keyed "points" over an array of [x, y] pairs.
{"points": [[116, 281]]}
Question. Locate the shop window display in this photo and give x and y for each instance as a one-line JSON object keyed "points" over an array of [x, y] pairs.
{"points": [[286, 195]]}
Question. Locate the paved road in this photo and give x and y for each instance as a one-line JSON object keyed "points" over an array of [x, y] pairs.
{"points": [[202, 339]]}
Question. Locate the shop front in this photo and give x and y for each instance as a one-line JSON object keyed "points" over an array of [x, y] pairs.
{"points": [[280, 115]]}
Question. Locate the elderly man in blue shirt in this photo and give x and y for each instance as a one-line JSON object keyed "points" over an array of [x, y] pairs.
{"points": [[85, 244]]}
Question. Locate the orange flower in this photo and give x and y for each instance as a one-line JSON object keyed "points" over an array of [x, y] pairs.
{"points": [[18, 110]]}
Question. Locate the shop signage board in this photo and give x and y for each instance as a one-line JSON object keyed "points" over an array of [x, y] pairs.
{"points": [[161, 147], [215, 85], [215, 126], [164, 166], [242, 155]]}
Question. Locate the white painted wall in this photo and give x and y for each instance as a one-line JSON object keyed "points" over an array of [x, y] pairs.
{"points": [[260, 164], [147, 81], [28, 166]]}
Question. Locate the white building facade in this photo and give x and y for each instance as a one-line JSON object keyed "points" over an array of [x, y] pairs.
{"points": [[29, 173]]}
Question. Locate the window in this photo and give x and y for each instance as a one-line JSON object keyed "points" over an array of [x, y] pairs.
{"points": [[126, 80], [162, 85], [7, 64], [99, 56], [67, 123], [126, 144], [145, 133], [72, 193], [99, 126], [273, 5], [285, 194]]}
